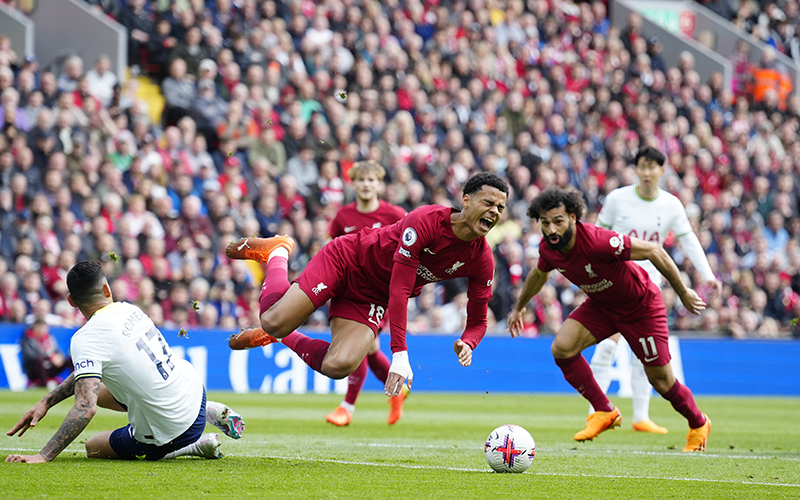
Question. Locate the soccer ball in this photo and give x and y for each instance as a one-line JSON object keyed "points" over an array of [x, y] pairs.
{"points": [[509, 448]]}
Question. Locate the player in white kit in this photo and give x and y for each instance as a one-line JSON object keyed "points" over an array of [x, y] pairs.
{"points": [[644, 211], [123, 363]]}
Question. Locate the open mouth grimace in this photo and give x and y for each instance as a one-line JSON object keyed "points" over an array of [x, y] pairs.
{"points": [[486, 223]]}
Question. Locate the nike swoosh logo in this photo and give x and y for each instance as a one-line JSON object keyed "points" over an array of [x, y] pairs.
{"points": [[349, 229], [560, 270], [647, 360], [428, 250]]}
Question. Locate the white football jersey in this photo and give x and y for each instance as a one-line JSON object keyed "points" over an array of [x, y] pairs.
{"points": [[628, 213], [121, 345]]}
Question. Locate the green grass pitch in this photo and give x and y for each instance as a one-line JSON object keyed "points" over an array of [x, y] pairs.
{"points": [[435, 451]]}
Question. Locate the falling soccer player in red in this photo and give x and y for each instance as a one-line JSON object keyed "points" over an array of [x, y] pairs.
{"points": [[367, 211], [622, 298], [374, 272]]}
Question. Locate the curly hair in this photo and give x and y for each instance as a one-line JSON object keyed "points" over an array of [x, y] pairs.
{"points": [[477, 181], [554, 197]]}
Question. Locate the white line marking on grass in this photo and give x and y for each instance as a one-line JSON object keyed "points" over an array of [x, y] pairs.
{"points": [[37, 450], [683, 454], [469, 469], [470, 445]]}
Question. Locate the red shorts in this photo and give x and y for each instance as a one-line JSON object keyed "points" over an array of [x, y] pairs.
{"points": [[331, 275], [648, 335]]}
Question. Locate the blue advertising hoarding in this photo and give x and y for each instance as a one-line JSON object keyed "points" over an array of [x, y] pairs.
{"points": [[500, 364]]}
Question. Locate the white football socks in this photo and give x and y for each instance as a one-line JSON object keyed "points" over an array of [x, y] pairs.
{"points": [[602, 360], [347, 406], [641, 391], [190, 450], [278, 252]]}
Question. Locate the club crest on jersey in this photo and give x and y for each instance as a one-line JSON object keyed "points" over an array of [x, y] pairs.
{"points": [[322, 286], [409, 236], [617, 242], [589, 271], [454, 267]]}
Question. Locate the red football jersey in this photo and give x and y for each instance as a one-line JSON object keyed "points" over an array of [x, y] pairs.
{"points": [[427, 250], [600, 265], [350, 220]]}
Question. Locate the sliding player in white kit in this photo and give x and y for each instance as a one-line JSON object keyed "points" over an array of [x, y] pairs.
{"points": [[644, 211], [123, 363]]}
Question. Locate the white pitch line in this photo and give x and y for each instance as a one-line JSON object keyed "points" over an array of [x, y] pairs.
{"points": [[563, 450], [468, 469], [37, 450]]}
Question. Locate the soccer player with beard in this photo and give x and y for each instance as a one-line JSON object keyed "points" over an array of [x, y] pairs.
{"points": [[644, 211], [622, 298], [367, 211], [374, 272]]}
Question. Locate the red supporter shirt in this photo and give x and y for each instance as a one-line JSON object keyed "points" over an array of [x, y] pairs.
{"points": [[599, 264], [350, 220], [398, 260]]}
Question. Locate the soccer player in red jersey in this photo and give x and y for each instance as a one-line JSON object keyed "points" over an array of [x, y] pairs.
{"points": [[367, 211], [622, 298], [374, 272]]}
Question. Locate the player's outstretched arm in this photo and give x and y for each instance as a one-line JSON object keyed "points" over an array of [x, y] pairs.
{"points": [[400, 288], [533, 283], [39, 410], [79, 416], [656, 254]]}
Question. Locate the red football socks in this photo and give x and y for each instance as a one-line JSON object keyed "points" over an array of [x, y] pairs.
{"points": [[682, 400], [379, 364], [311, 351], [355, 382], [579, 375], [275, 283]]}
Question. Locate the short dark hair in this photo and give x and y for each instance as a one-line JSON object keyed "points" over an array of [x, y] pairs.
{"points": [[85, 281], [477, 181], [652, 154], [554, 197]]}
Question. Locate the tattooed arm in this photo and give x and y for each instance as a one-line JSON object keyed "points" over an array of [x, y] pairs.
{"points": [[86, 391], [39, 410]]}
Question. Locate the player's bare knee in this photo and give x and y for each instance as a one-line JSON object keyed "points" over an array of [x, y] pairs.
{"points": [[562, 351], [93, 447], [336, 369], [272, 324]]}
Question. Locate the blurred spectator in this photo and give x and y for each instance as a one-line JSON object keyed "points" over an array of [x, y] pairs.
{"points": [[72, 72], [42, 360], [771, 78], [139, 24], [208, 109], [101, 80]]}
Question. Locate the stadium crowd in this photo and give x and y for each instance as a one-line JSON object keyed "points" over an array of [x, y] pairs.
{"points": [[269, 103]]}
